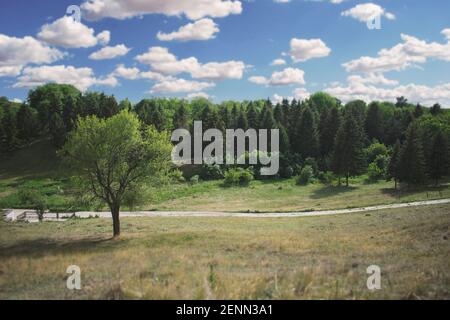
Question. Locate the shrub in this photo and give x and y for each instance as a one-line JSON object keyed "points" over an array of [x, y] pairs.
{"points": [[35, 200], [211, 172], [374, 172], [238, 177], [374, 150], [195, 179], [326, 177], [306, 176], [286, 172], [177, 175], [311, 162]]}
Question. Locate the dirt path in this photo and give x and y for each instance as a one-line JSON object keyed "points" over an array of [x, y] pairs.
{"points": [[29, 215]]}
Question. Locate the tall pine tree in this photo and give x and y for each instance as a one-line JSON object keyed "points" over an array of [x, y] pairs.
{"points": [[348, 156], [440, 158], [412, 160]]}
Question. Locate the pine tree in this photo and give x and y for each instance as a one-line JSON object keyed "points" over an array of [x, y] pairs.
{"points": [[242, 121], [436, 109], [284, 140], [181, 118], [69, 113], [418, 112], [278, 114], [252, 117], [348, 156], [26, 124], [268, 122], [9, 129], [412, 160], [374, 122], [307, 138], [330, 123], [440, 158], [393, 169], [286, 107]]}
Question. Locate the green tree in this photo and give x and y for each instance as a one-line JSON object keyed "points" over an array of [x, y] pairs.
{"points": [[252, 117], [329, 125], [393, 169], [436, 109], [440, 158], [412, 160], [181, 118], [9, 129], [374, 122], [242, 122], [348, 156], [307, 143], [26, 123], [113, 157]]}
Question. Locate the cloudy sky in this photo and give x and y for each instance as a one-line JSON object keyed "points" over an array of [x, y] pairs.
{"points": [[229, 49]]}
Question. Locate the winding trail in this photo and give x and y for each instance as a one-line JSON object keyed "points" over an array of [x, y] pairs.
{"points": [[30, 215]]}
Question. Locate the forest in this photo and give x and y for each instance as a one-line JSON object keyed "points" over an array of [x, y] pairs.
{"points": [[320, 138]]}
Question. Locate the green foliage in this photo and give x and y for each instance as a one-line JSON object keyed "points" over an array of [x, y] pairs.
{"points": [[211, 172], [306, 176], [114, 156], [440, 158], [348, 156], [238, 177], [194, 179], [374, 172], [374, 150], [412, 160], [34, 199]]}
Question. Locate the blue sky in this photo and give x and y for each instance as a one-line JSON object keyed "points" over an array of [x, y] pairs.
{"points": [[224, 49]]}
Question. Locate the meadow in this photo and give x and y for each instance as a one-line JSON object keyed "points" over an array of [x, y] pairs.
{"points": [[38, 167], [232, 258]]}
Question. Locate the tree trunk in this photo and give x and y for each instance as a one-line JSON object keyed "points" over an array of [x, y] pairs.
{"points": [[115, 211], [346, 179], [395, 181]]}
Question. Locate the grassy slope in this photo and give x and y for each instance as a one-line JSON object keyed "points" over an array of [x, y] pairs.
{"points": [[316, 257], [38, 167]]}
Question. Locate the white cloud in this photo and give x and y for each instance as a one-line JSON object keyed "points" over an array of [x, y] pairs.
{"points": [[300, 94], [198, 95], [446, 33], [372, 79], [288, 76], [303, 49], [104, 37], [134, 73], [194, 10], [69, 33], [110, 52], [10, 71], [413, 92], [367, 11], [278, 62], [162, 61], [410, 52], [180, 85], [82, 78], [203, 29], [15, 52]]}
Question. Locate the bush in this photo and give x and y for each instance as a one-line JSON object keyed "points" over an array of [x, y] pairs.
{"points": [[35, 200], [195, 179], [286, 172], [374, 150], [211, 172], [326, 178], [311, 162], [306, 176], [374, 172], [177, 175], [238, 177]]}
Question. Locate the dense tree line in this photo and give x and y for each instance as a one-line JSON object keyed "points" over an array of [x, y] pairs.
{"points": [[399, 141]]}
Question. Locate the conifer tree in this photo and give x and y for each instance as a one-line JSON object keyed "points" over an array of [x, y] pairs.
{"points": [[348, 156], [440, 158], [393, 169], [307, 143], [9, 129], [181, 118], [412, 160], [252, 117], [26, 124]]}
